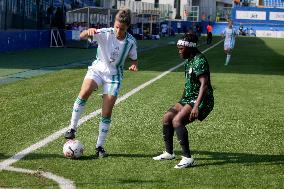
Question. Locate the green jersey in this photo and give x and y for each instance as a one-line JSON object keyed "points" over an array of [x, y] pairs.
{"points": [[193, 69]]}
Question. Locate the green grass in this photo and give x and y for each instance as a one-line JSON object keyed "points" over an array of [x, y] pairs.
{"points": [[239, 145], [14, 62]]}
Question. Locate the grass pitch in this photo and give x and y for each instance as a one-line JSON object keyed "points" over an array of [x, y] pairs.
{"points": [[239, 145]]}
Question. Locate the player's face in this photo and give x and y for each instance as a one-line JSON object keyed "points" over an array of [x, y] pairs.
{"points": [[183, 52], [230, 24], [120, 29]]}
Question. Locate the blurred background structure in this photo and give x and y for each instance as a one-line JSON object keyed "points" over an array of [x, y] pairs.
{"points": [[28, 24]]}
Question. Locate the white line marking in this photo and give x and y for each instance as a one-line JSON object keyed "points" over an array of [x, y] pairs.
{"points": [[63, 183], [8, 162]]}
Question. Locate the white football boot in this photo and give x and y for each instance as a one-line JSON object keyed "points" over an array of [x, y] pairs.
{"points": [[185, 162], [164, 156]]}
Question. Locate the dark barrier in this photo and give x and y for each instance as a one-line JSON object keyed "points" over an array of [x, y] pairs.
{"points": [[22, 40]]}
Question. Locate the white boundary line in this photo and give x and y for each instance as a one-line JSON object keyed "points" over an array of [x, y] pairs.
{"points": [[62, 182], [65, 183]]}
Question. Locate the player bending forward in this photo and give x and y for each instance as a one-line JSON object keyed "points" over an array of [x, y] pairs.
{"points": [[196, 103], [229, 34], [114, 45]]}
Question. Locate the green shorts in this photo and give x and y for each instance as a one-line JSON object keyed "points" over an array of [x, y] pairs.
{"points": [[205, 107]]}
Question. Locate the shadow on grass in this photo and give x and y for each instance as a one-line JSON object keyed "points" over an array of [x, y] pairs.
{"points": [[109, 182], [135, 181], [222, 158], [208, 158], [4, 156]]}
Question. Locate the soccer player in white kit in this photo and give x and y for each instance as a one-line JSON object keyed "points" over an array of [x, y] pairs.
{"points": [[114, 45], [230, 35]]}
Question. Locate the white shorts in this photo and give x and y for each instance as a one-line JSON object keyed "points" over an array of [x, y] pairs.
{"points": [[111, 83], [229, 45]]}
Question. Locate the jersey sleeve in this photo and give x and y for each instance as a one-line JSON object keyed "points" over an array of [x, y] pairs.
{"points": [[133, 51], [201, 66], [100, 36]]}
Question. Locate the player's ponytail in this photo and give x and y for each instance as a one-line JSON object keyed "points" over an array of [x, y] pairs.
{"points": [[124, 16]]}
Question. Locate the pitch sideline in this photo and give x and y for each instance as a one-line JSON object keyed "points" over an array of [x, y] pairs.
{"points": [[62, 182]]}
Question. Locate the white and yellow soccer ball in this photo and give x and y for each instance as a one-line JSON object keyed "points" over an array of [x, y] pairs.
{"points": [[73, 149]]}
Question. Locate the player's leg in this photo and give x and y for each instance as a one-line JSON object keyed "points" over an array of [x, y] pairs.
{"points": [[88, 86], [230, 47], [227, 52], [168, 133], [111, 89], [108, 104], [179, 123], [211, 37], [168, 130], [228, 57], [91, 82], [207, 38]]}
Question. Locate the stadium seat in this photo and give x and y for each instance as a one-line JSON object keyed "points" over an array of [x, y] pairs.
{"points": [[273, 3]]}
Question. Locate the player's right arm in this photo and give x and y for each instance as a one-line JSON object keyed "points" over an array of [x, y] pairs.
{"points": [[85, 34], [223, 33]]}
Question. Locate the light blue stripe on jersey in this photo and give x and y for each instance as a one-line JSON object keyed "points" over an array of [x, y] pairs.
{"points": [[122, 59], [232, 41], [130, 37]]}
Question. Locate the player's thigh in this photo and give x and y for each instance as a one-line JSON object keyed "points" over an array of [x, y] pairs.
{"points": [[171, 113], [230, 50], [183, 116], [87, 88], [108, 104]]}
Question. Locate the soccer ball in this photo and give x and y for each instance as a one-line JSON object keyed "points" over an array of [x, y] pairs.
{"points": [[73, 149]]}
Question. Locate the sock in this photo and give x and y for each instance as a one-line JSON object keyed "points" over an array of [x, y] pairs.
{"points": [[182, 136], [168, 133], [228, 59], [103, 130], [78, 108]]}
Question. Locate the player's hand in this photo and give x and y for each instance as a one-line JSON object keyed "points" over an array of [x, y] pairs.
{"points": [[91, 32], [194, 113], [88, 33], [133, 68]]}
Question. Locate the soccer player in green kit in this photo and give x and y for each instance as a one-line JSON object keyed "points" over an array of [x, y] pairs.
{"points": [[196, 103]]}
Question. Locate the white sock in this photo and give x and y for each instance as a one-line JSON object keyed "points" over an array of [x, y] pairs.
{"points": [[103, 130], [78, 108], [228, 59]]}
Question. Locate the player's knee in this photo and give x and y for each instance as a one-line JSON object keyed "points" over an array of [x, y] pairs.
{"points": [[177, 122], [167, 120]]}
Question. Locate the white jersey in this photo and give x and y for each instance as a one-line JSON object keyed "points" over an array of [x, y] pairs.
{"points": [[230, 34], [111, 52]]}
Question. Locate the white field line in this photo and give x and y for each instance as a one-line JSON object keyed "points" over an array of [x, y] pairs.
{"points": [[5, 165], [62, 182]]}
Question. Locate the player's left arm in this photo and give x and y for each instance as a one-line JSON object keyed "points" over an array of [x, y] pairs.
{"points": [[203, 79], [133, 58], [235, 34]]}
